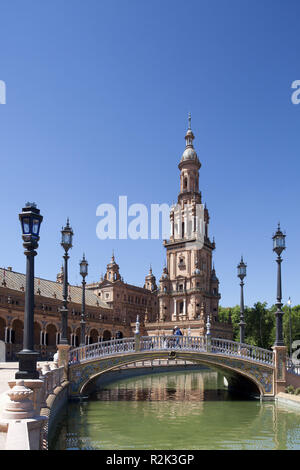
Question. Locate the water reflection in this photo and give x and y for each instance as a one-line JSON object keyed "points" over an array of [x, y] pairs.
{"points": [[185, 410], [181, 387]]}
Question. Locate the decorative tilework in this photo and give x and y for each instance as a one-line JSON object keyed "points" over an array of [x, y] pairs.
{"points": [[262, 375]]}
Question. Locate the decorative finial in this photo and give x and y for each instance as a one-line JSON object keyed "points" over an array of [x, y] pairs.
{"points": [[30, 204], [190, 120], [137, 326], [208, 325]]}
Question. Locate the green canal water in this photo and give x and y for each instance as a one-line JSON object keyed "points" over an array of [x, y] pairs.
{"points": [[177, 410]]}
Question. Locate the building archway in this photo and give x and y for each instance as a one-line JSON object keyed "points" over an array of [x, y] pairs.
{"points": [[69, 335], [77, 334], [106, 335], [51, 335], [2, 329], [93, 336], [36, 333], [17, 332]]}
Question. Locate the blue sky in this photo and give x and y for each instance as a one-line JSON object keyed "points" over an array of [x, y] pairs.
{"points": [[98, 95]]}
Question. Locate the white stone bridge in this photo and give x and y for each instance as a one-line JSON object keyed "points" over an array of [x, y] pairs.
{"points": [[245, 366]]}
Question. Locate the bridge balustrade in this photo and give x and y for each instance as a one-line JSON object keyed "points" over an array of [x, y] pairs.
{"points": [[183, 343], [105, 348], [291, 367], [187, 343], [246, 351]]}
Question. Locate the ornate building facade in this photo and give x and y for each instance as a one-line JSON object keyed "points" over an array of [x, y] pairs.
{"points": [[126, 300]]}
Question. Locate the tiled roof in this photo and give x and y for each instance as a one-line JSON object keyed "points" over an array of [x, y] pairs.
{"points": [[51, 289]]}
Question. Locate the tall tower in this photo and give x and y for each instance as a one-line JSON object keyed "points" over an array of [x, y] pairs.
{"points": [[189, 288]]}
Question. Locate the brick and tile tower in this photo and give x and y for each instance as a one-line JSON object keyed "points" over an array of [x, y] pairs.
{"points": [[189, 287]]}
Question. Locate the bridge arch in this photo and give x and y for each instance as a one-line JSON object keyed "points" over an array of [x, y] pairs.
{"points": [[251, 377]]}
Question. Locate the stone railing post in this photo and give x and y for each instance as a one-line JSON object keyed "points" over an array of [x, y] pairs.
{"points": [[24, 426], [63, 358], [137, 338], [280, 354], [208, 335]]}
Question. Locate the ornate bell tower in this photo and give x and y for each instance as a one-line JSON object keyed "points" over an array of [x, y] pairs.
{"points": [[189, 288], [112, 270]]}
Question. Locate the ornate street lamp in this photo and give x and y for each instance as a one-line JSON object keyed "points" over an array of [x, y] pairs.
{"points": [[242, 274], [278, 247], [84, 272], [66, 243], [30, 219]]}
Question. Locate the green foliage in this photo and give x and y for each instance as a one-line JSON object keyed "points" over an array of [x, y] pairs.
{"points": [[295, 324], [297, 391], [261, 323], [290, 389]]}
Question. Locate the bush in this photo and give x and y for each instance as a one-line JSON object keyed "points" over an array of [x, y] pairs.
{"points": [[290, 389], [297, 391]]}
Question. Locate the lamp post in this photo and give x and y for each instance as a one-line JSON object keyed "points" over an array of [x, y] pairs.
{"points": [[30, 219], [289, 302], [278, 247], [66, 243], [242, 274], [84, 272]]}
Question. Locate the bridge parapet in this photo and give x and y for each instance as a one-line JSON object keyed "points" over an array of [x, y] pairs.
{"points": [[169, 343], [291, 367]]}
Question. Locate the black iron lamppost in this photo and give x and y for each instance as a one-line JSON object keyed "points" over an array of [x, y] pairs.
{"points": [[66, 243], [289, 302], [242, 274], [278, 247], [84, 272], [30, 219]]}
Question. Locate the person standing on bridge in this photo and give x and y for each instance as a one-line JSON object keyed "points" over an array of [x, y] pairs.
{"points": [[177, 334]]}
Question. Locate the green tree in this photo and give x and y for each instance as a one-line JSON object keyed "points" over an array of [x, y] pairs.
{"points": [[260, 323], [295, 324]]}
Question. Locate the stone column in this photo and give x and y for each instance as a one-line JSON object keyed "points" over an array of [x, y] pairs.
{"points": [[63, 358], [137, 335], [175, 309], [280, 354]]}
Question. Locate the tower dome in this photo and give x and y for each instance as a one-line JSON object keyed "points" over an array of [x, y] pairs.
{"points": [[189, 153]]}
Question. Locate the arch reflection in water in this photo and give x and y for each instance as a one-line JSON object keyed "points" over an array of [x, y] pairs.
{"points": [[178, 410]]}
